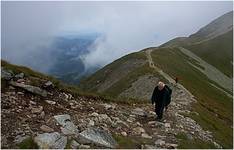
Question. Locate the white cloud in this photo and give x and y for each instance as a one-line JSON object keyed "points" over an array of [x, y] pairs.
{"points": [[125, 26]]}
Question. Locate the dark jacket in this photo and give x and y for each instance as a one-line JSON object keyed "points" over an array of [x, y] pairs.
{"points": [[160, 97]]}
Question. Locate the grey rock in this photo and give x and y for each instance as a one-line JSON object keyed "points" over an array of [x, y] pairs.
{"points": [[30, 88], [139, 112], [37, 110], [64, 96], [45, 128], [217, 145], [68, 127], [138, 130], [20, 81], [20, 93], [170, 146], [32, 102], [145, 135], [108, 106], [120, 122], [91, 123], [124, 133], [98, 137], [50, 102], [84, 146], [94, 114], [20, 138], [152, 113], [104, 118], [159, 124], [161, 136], [167, 125], [48, 84], [42, 115], [152, 122], [146, 146], [6, 74], [19, 76], [160, 142], [51, 141], [139, 124]]}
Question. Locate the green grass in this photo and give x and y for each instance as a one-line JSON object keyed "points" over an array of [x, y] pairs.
{"points": [[185, 143], [27, 71], [89, 83], [125, 142], [221, 130], [217, 52], [68, 146], [127, 81], [28, 144], [36, 77], [130, 142], [214, 106]]}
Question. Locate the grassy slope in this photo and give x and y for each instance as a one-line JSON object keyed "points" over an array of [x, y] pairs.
{"points": [[36, 77], [125, 82], [214, 106], [101, 75], [217, 52], [186, 143]]}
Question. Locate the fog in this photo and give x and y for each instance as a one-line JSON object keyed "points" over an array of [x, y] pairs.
{"points": [[28, 28]]}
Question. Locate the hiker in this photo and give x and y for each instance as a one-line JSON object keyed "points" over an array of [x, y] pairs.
{"points": [[176, 80], [162, 98]]}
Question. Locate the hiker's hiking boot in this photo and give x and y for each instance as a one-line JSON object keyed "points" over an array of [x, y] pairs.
{"points": [[159, 119]]}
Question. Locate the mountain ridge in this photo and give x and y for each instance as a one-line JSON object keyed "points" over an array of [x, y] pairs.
{"points": [[213, 98]]}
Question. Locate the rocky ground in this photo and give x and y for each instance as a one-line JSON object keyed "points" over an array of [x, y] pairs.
{"points": [[51, 118]]}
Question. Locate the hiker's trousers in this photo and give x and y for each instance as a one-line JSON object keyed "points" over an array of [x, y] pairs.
{"points": [[159, 110]]}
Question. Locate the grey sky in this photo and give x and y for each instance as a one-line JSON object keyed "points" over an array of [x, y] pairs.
{"points": [[28, 27]]}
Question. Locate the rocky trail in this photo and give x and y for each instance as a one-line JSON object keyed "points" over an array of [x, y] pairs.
{"points": [[52, 118]]}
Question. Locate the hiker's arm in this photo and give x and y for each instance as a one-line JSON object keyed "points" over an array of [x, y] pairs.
{"points": [[153, 96], [164, 98]]}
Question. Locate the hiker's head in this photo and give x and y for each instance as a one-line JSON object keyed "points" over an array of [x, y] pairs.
{"points": [[160, 85]]}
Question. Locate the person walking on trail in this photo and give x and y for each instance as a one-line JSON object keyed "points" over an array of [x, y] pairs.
{"points": [[176, 80], [162, 98]]}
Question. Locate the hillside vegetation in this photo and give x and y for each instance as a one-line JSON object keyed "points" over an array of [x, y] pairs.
{"points": [[38, 113], [217, 52], [212, 103], [213, 47]]}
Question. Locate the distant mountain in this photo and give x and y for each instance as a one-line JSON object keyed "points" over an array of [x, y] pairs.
{"points": [[203, 64], [219, 26], [67, 51], [213, 43]]}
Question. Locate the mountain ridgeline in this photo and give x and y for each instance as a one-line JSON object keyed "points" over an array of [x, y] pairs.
{"points": [[203, 64]]}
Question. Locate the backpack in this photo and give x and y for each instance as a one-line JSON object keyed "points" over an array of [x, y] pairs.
{"points": [[168, 100]]}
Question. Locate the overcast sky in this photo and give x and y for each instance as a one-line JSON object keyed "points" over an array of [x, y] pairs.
{"points": [[29, 27]]}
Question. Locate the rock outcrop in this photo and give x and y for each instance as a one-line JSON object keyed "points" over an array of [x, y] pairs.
{"points": [[98, 137], [29, 88]]}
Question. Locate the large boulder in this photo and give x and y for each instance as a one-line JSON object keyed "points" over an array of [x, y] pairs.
{"points": [[98, 137], [19, 76], [68, 127], [51, 141], [48, 84], [30, 88], [6, 74]]}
